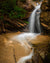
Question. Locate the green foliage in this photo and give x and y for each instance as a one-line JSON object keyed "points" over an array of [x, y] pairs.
{"points": [[1, 14], [1, 17], [12, 16], [17, 13], [8, 5], [18, 9], [26, 22], [10, 8]]}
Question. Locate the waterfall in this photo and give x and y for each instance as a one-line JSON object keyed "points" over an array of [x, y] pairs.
{"points": [[34, 22], [34, 29]]}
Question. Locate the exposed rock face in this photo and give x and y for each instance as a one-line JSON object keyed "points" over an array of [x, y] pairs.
{"points": [[45, 16], [11, 51]]}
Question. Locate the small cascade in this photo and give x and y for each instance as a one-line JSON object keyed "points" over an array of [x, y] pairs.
{"points": [[34, 26], [23, 59]]}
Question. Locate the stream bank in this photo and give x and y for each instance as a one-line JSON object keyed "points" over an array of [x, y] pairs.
{"points": [[9, 49]]}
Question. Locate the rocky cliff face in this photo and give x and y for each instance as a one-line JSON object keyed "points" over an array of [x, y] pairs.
{"points": [[45, 16]]}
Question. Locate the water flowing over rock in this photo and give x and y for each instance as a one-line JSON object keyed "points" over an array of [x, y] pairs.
{"points": [[25, 37], [19, 48], [34, 26]]}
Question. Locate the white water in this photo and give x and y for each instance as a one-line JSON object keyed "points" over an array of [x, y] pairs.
{"points": [[26, 37], [32, 20], [23, 59]]}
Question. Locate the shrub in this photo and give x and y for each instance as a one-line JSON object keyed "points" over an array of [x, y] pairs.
{"points": [[9, 7], [17, 13]]}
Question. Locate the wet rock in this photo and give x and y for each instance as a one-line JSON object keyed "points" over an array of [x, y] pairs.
{"points": [[40, 45], [45, 17], [6, 53], [11, 51], [37, 58]]}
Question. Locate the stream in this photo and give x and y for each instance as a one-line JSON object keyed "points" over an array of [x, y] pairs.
{"points": [[34, 31]]}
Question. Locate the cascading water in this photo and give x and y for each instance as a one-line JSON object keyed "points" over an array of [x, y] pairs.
{"points": [[25, 37], [34, 21], [23, 59]]}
